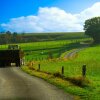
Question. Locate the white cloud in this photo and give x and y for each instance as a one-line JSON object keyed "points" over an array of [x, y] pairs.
{"points": [[93, 11], [52, 20]]}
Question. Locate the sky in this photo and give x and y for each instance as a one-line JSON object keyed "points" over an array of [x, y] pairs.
{"points": [[46, 15]]}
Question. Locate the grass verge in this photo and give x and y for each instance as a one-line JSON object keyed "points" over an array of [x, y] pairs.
{"points": [[67, 84]]}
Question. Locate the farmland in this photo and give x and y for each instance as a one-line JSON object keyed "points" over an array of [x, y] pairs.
{"points": [[73, 67], [40, 50], [40, 53], [88, 56]]}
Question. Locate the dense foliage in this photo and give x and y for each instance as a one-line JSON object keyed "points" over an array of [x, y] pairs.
{"points": [[92, 28]]}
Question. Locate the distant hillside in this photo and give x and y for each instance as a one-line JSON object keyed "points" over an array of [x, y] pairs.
{"points": [[6, 38]]}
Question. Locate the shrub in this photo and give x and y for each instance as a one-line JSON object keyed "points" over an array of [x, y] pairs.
{"points": [[79, 81]]}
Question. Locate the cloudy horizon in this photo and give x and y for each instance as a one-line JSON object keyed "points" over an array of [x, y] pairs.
{"points": [[52, 19]]}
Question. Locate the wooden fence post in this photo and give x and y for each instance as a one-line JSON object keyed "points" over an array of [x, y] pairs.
{"points": [[84, 70], [62, 71]]}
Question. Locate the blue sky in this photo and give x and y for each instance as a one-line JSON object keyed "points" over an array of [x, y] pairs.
{"points": [[25, 10]]}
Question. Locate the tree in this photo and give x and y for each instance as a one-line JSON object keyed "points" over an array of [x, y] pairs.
{"points": [[8, 37], [8, 32], [92, 28], [14, 37]]}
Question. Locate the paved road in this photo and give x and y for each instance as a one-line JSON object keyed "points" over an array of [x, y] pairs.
{"points": [[17, 85]]}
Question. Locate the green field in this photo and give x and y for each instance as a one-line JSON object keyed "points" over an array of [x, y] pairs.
{"points": [[88, 56], [42, 50], [38, 52], [73, 67]]}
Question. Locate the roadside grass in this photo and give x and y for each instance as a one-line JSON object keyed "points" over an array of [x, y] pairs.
{"points": [[73, 69], [59, 82]]}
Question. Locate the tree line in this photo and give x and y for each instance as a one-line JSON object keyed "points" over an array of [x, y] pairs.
{"points": [[8, 38], [14, 37]]}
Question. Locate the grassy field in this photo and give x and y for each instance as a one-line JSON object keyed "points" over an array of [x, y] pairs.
{"points": [[38, 53], [42, 50], [73, 67], [54, 43]]}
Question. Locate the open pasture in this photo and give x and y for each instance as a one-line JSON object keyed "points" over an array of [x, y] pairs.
{"points": [[73, 68], [42, 50]]}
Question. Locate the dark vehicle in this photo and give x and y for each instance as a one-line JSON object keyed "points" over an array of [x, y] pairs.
{"points": [[11, 56]]}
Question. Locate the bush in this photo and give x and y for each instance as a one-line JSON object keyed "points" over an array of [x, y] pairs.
{"points": [[79, 81]]}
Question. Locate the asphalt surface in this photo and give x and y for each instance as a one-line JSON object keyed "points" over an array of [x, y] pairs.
{"points": [[17, 85]]}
